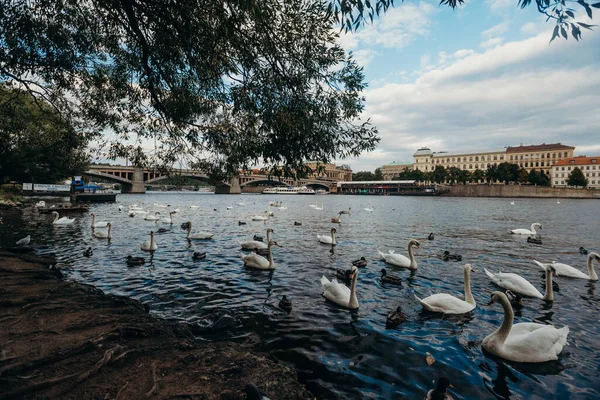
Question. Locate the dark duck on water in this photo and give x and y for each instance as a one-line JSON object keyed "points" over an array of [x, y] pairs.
{"points": [[133, 261], [390, 279], [285, 304], [362, 262]]}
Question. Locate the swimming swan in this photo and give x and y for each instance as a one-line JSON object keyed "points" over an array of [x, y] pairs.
{"points": [[328, 239], [448, 304], [149, 245], [256, 244], [254, 260], [517, 284], [339, 293], [527, 231], [101, 224], [567, 270], [61, 221], [198, 235], [103, 234], [524, 342], [400, 260]]}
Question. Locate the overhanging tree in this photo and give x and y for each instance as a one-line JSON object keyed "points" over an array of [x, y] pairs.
{"points": [[576, 178]]}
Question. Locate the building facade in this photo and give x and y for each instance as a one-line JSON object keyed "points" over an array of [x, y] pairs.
{"points": [[590, 166], [540, 157], [331, 171], [393, 169]]}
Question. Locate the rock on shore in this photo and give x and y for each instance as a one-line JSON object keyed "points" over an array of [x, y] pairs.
{"points": [[62, 339]]}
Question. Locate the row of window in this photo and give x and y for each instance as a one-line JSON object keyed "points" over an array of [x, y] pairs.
{"points": [[587, 168], [554, 155], [563, 182]]}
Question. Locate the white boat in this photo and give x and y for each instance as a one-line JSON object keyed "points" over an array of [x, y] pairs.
{"points": [[288, 190]]}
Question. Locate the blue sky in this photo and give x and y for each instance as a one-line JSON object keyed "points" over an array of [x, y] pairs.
{"points": [[481, 76]]}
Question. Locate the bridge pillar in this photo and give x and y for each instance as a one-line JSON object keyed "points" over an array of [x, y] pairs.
{"points": [[235, 187], [138, 185]]}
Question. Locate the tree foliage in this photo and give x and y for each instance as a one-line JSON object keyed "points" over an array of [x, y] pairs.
{"points": [[576, 178], [538, 178], [228, 83], [36, 145], [362, 176]]}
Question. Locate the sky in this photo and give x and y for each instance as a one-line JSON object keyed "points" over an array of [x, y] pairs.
{"points": [[484, 76]]}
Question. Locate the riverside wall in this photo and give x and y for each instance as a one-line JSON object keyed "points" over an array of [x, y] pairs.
{"points": [[516, 191]]}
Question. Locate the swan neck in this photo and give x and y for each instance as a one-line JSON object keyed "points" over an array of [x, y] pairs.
{"points": [[332, 237], [55, 216], [411, 255], [590, 265], [189, 230], [109, 228], [353, 302], [533, 229], [151, 241], [270, 254], [549, 295], [268, 236], [507, 323], [468, 295]]}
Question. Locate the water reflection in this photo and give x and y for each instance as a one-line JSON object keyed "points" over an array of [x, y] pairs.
{"points": [[340, 353]]}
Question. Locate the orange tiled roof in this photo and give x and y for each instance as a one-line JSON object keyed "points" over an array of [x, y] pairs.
{"points": [[581, 160], [538, 147]]}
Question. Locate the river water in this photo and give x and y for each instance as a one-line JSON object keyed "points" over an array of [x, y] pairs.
{"points": [[342, 354]]}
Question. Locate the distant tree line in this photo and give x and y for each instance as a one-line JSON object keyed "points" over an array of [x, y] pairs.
{"points": [[362, 176]]}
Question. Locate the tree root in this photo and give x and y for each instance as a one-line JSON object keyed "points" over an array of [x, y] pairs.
{"points": [[154, 381], [120, 390]]}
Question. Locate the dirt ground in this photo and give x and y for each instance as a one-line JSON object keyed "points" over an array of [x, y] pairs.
{"points": [[65, 340]]}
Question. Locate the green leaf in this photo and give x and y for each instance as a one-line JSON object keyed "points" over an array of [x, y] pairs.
{"points": [[563, 32], [555, 33], [596, 5]]}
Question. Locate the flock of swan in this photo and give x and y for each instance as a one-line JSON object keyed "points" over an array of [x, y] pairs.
{"points": [[521, 342]]}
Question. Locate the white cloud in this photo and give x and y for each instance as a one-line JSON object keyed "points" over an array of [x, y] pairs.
{"points": [[425, 60], [530, 28], [463, 53], [516, 92], [364, 56], [501, 6], [496, 30], [493, 42], [442, 57]]}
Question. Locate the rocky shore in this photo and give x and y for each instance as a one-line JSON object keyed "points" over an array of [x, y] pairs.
{"points": [[66, 340]]}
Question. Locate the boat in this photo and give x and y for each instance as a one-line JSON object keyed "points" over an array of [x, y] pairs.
{"points": [[288, 190], [321, 191]]}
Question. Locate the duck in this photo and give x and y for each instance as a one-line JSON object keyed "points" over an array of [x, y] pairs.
{"points": [[534, 240], [328, 239], [524, 342], [132, 261], [337, 220], [256, 244], [447, 256], [360, 263], [390, 279], [517, 284], [169, 220], [400, 260], [296, 223], [149, 245], [441, 390], [339, 293], [241, 223], [369, 209], [448, 304], [343, 274], [253, 260], [516, 301], [24, 241], [583, 251], [152, 217], [101, 224], [285, 304], [61, 221], [198, 255], [395, 318], [88, 252], [103, 234], [259, 238], [530, 231], [571, 272], [162, 230], [197, 235], [346, 211], [431, 236]]}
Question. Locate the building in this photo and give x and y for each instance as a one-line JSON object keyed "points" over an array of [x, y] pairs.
{"points": [[540, 156], [590, 166], [393, 169], [331, 171]]}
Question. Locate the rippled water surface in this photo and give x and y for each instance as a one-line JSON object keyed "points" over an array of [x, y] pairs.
{"points": [[339, 353]]}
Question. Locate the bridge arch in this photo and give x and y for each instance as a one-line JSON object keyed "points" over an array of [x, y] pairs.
{"points": [[319, 185], [266, 181], [107, 176], [203, 178]]}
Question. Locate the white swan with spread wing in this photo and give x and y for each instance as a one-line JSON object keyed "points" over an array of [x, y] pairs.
{"points": [[448, 304], [400, 260], [524, 342]]}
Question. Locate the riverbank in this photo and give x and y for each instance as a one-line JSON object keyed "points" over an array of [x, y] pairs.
{"points": [[518, 191], [63, 339]]}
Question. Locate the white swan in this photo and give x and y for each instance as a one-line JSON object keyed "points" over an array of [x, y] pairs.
{"points": [[198, 235], [313, 205], [512, 203], [260, 217], [40, 204], [527, 231], [525, 342], [517, 284], [369, 209], [101, 224], [192, 206], [339, 293], [160, 205], [256, 244], [567, 270], [103, 234], [61, 221], [242, 204], [134, 207], [168, 220], [448, 304], [400, 260], [319, 208], [152, 217], [149, 245], [254, 260], [328, 239]]}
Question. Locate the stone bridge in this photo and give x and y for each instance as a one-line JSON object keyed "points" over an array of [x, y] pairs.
{"points": [[134, 180]]}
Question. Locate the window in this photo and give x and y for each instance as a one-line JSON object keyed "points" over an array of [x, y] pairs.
{"points": [[511, 157], [470, 166], [448, 160], [526, 164], [452, 159], [495, 158], [568, 168], [588, 167], [537, 164], [476, 158], [587, 174], [553, 155], [566, 155], [542, 156], [521, 156], [502, 157], [563, 168]]}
